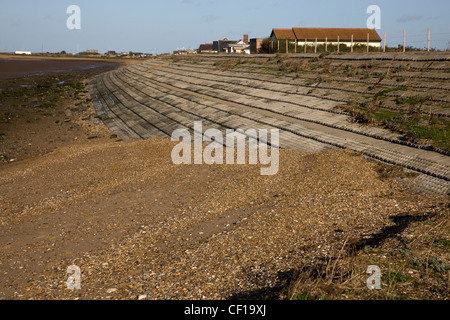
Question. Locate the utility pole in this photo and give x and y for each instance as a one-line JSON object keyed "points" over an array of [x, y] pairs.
{"points": [[404, 40]]}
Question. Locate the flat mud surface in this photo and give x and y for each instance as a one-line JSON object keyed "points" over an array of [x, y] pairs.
{"points": [[42, 112], [12, 67]]}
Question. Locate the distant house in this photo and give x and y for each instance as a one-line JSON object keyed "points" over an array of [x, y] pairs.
{"points": [[89, 53], [184, 52], [239, 47], [310, 36], [232, 46], [283, 34], [255, 45], [206, 48], [27, 53], [136, 54], [221, 46]]}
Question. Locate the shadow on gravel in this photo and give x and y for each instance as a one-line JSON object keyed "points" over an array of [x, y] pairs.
{"points": [[401, 223], [269, 293], [320, 268]]}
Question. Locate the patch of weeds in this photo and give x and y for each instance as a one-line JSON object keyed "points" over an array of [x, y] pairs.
{"points": [[306, 296], [434, 263], [438, 265], [366, 75], [399, 69], [385, 115], [283, 68], [412, 100], [384, 92], [393, 278], [402, 251], [441, 242]]}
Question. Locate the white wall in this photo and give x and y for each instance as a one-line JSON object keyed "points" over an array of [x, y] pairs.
{"points": [[348, 44]]}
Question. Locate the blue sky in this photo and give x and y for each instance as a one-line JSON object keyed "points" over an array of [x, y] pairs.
{"points": [[164, 26]]}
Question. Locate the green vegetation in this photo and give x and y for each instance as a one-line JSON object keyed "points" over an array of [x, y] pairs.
{"points": [[393, 278], [442, 242], [407, 118]]}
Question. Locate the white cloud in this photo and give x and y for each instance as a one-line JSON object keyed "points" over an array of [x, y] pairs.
{"points": [[409, 17], [211, 18]]}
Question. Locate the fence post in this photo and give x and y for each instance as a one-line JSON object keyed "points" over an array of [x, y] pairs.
{"points": [[339, 43], [384, 43], [315, 46], [352, 45], [368, 39], [326, 44], [306, 40], [295, 50], [278, 46], [428, 46]]}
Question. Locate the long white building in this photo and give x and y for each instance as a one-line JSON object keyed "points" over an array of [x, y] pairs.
{"points": [[331, 36]]}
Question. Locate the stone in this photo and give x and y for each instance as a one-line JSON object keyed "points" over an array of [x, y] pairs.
{"points": [[111, 290]]}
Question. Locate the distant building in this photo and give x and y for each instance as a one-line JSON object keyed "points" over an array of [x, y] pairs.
{"points": [[28, 53], [184, 52], [328, 35], [239, 47], [232, 46], [255, 45], [91, 51], [206, 48], [221, 46], [136, 54]]}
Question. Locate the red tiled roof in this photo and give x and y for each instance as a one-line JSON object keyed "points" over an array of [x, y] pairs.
{"points": [[283, 34], [206, 47]]}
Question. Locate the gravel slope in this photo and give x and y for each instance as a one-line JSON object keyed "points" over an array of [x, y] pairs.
{"points": [[137, 225]]}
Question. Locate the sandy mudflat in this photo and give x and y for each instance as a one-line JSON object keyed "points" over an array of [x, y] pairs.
{"points": [[14, 67]]}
